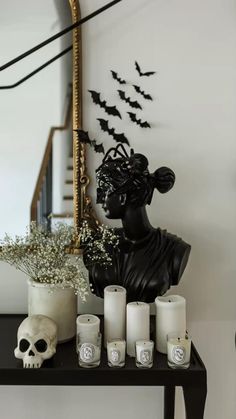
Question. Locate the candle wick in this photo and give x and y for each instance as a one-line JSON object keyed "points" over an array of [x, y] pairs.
{"points": [[169, 301]]}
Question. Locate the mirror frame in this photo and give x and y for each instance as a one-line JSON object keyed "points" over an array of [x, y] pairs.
{"points": [[83, 209]]}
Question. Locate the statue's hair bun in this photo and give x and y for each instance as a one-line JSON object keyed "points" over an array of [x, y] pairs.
{"points": [[139, 163], [164, 179]]}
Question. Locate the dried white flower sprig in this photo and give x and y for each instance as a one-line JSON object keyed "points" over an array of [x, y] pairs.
{"points": [[98, 244], [41, 254]]}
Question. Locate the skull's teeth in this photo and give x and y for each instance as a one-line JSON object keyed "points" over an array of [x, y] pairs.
{"points": [[31, 365]]}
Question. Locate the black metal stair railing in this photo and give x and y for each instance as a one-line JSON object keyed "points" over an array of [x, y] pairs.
{"points": [[48, 41], [41, 204]]}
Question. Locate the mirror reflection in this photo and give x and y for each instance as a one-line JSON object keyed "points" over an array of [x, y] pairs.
{"points": [[31, 110]]}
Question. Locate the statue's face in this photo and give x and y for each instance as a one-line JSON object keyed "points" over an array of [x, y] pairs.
{"points": [[114, 205]]}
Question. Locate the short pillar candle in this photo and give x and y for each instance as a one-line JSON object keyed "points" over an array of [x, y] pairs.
{"points": [[170, 317], [138, 324], [88, 327], [114, 313]]}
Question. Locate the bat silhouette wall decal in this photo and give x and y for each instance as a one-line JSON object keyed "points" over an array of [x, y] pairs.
{"points": [[142, 124], [119, 138], [141, 92], [111, 110], [133, 104], [84, 138], [141, 74], [117, 78]]}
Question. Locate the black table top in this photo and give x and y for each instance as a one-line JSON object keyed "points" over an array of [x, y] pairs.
{"points": [[63, 368]]}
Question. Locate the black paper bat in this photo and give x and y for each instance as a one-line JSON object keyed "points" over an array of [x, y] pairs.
{"points": [[141, 74], [120, 138], [111, 110], [84, 138], [145, 95], [133, 118], [133, 104], [116, 77], [99, 148]]}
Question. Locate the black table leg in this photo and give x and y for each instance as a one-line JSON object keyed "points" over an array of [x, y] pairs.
{"points": [[195, 398], [169, 402]]}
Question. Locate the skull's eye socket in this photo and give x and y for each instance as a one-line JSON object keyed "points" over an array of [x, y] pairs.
{"points": [[24, 345], [41, 345]]}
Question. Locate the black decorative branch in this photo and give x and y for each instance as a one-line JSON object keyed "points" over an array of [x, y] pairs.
{"points": [[58, 35]]}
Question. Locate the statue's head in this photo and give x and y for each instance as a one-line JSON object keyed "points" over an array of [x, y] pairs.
{"points": [[124, 180]]}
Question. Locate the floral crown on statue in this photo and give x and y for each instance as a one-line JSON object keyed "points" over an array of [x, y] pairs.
{"points": [[121, 173]]}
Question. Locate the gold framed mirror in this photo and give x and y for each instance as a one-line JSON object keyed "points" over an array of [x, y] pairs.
{"points": [[82, 202], [69, 201]]}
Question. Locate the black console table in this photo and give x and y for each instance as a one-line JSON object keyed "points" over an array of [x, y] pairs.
{"points": [[63, 369]]}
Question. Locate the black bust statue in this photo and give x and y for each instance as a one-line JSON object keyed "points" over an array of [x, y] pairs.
{"points": [[148, 260]]}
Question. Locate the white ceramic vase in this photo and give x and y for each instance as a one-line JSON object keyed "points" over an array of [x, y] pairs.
{"points": [[60, 304]]}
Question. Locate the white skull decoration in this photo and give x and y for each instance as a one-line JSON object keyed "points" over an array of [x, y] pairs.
{"points": [[36, 340]]}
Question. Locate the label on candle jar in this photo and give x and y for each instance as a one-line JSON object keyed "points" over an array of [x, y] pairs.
{"points": [[145, 357], [179, 354], [87, 352], [115, 356]]}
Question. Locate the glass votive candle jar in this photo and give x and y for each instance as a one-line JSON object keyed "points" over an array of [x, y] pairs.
{"points": [[87, 325], [89, 350], [116, 350], [144, 353], [178, 350]]}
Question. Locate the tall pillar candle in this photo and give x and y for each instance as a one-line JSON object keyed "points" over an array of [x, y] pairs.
{"points": [[170, 317], [114, 313], [137, 324]]}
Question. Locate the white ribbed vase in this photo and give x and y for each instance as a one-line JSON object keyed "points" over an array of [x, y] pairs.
{"points": [[60, 304]]}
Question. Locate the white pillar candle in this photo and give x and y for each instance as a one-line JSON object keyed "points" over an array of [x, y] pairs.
{"points": [[170, 317], [116, 351], [88, 324], [114, 313], [138, 324]]}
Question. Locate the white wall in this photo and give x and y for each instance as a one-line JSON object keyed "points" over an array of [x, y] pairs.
{"points": [[192, 46]]}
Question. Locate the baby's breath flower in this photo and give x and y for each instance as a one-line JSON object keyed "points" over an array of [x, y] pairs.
{"points": [[41, 254]]}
